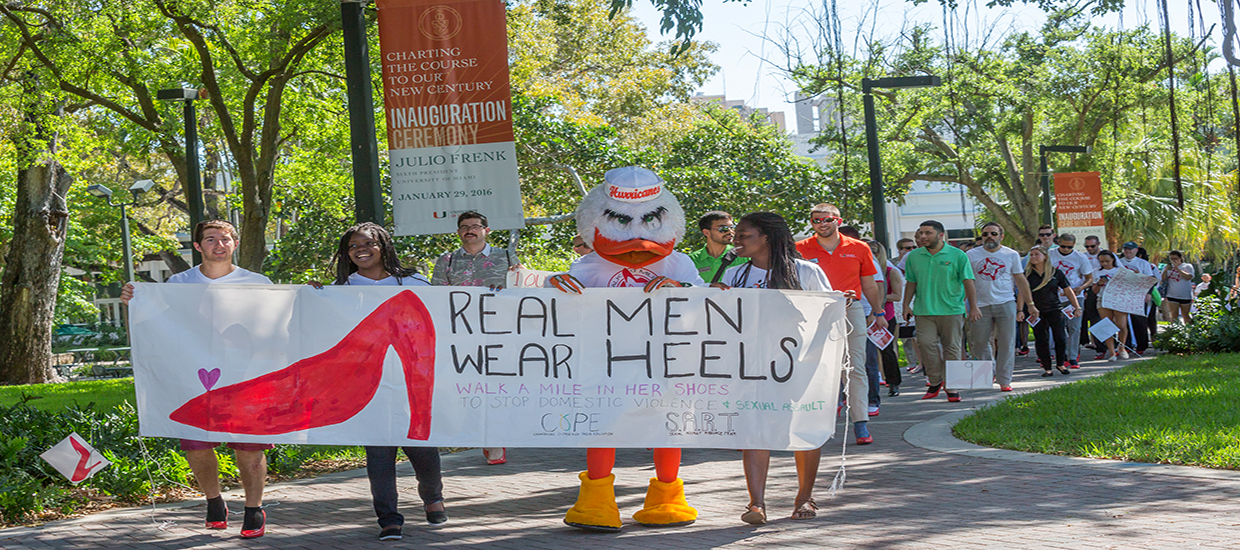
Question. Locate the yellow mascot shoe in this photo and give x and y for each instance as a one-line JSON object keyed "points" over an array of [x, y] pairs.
{"points": [[596, 508], [666, 505]]}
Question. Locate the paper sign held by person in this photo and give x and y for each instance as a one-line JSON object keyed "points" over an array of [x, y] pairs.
{"points": [[964, 375]]}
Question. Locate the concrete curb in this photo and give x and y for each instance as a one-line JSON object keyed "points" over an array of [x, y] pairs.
{"points": [[936, 435]]}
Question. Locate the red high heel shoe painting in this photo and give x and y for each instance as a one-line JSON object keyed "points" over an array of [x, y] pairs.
{"points": [[333, 386]]}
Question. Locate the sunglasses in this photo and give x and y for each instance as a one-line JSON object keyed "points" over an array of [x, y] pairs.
{"points": [[1091, 246], [725, 228], [1046, 234], [990, 233], [828, 219], [908, 248]]}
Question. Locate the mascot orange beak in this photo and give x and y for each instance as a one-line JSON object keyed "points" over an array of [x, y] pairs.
{"points": [[631, 253]]}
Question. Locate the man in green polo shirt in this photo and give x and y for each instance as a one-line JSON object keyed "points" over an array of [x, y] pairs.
{"points": [[940, 276], [717, 227]]}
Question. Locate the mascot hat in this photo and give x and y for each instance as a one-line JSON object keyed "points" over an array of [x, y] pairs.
{"points": [[632, 184], [630, 218]]}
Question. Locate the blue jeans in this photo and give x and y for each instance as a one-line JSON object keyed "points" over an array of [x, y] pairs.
{"points": [[381, 469], [871, 370]]}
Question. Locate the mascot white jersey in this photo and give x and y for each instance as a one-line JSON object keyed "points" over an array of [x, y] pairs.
{"points": [[633, 225]]}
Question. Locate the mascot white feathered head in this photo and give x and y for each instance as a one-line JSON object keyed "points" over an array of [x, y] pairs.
{"points": [[631, 219]]}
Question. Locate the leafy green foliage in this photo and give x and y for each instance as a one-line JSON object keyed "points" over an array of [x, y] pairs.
{"points": [[1214, 329]]}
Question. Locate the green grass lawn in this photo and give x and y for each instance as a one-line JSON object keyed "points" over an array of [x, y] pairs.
{"points": [[1169, 410], [105, 394]]}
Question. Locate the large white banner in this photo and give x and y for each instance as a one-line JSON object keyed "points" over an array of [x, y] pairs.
{"points": [[694, 367]]}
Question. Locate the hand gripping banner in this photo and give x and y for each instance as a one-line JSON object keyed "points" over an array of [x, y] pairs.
{"points": [[467, 367]]}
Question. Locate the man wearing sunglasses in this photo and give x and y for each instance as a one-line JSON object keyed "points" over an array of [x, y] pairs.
{"points": [[1046, 236], [717, 227], [999, 278], [849, 266], [1080, 273]]}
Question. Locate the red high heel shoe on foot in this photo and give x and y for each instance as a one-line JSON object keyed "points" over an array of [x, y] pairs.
{"points": [[308, 394]]}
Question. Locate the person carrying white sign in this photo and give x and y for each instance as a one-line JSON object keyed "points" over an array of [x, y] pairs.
{"points": [[1107, 262], [1132, 260], [476, 263], [765, 239], [367, 257], [999, 281], [216, 240]]}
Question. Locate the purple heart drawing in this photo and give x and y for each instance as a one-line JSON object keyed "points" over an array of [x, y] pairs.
{"points": [[209, 377]]}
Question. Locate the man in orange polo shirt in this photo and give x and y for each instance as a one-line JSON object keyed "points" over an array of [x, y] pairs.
{"points": [[849, 265]]}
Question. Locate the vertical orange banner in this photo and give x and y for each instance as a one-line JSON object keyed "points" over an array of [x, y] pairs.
{"points": [[1078, 205], [449, 113]]}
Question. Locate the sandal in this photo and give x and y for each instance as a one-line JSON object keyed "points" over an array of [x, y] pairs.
{"points": [[805, 510], [755, 514]]}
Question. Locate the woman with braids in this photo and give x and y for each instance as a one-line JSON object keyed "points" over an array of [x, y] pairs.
{"points": [[766, 240], [366, 256], [1047, 284]]}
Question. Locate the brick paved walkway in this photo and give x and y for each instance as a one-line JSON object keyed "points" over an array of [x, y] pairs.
{"points": [[897, 495]]}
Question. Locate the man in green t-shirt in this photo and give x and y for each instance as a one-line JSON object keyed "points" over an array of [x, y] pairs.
{"points": [[717, 227], [940, 276]]}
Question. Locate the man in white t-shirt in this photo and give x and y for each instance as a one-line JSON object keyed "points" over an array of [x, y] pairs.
{"points": [[1080, 274], [1093, 245], [1140, 333], [216, 240], [998, 277]]}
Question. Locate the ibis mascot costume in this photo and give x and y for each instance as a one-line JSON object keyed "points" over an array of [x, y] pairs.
{"points": [[633, 223]]}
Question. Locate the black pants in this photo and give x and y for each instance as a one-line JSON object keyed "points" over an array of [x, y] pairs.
{"points": [[1091, 315], [381, 469], [1052, 321], [1139, 336], [891, 360], [1152, 319]]}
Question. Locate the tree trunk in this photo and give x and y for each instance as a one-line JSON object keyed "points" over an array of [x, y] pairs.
{"points": [[32, 267]]}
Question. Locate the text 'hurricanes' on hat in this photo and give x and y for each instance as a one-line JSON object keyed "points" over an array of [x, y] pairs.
{"points": [[1131, 244], [632, 184]]}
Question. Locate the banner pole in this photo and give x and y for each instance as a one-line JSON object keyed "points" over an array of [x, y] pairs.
{"points": [[367, 195]]}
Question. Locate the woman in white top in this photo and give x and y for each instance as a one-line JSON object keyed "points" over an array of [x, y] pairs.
{"points": [[1107, 261], [366, 256], [766, 240], [1179, 278]]}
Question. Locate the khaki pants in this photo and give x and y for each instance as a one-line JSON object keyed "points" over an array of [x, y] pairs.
{"points": [[998, 323], [933, 331], [858, 383]]}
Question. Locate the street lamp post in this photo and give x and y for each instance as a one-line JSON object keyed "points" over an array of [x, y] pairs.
{"points": [[1046, 176], [877, 201], [103, 192], [193, 183]]}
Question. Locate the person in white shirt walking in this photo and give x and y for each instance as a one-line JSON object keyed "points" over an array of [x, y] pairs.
{"points": [[1080, 273], [999, 279]]}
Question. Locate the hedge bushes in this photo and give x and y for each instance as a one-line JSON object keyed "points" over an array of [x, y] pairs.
{"points": [[28, 485], [1214, 330]]}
